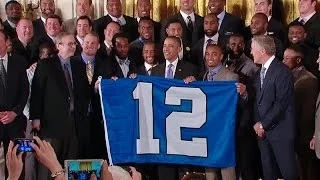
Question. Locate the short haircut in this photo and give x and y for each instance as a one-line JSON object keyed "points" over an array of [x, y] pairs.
{"points": [[178, 40], [215, 46], [54, 16], [90, 2], [268, 1], [147, 19], [113, 22], [62, 35], [24, 18], [85, 18], [296, 23], [94, 34], [266, 42], [297, 49], [172, 21], [5, 34], [214, 15], [11, 2], [235, 35], [262, 16], [119, 35]]}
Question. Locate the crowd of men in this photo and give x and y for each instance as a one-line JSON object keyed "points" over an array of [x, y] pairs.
{"points": [[49, 71]]}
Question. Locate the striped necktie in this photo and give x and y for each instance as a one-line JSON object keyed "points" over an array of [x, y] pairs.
{"points": [[89, 70]]}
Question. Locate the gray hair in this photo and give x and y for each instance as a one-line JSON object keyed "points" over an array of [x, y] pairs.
{"points": [[265, 42]]}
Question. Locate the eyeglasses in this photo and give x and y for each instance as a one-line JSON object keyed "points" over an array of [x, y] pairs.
{"points": [[70, 44]]}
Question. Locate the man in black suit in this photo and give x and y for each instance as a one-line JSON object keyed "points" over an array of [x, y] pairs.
{"points": [[143, 10], [297, 35], [119, 64], [259, 26], [21, 44], [95, 129], [192, 23], [47, 8], [59, 102], [275, 27], [311, 20], [274, 115], [211, 37], [128, 24], [228, 23], [145, 30], [83, 27], [106, 46], [14, 13], [173, 68], [14, 92], [53, 28]]}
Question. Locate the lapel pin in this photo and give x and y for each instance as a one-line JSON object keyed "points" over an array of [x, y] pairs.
{"points": [[179, 69], [188, 48]]}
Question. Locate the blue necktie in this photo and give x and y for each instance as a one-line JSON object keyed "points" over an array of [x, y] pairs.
{"points": [[262, 75], [211, 75], [170, 71]]}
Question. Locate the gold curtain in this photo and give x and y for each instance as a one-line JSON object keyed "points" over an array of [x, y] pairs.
{"points": [[242, 8]]}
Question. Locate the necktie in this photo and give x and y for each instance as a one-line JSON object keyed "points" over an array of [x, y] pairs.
{"points": [[149, 71], [211, 75], [89, 70], [189, 29], [124, 61], [2, 83], [69, 84], [302, 21], [209, 41], [262, 75], [170, 71]]}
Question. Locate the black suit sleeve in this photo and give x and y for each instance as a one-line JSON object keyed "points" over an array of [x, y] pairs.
{"points": [[24, 89]]}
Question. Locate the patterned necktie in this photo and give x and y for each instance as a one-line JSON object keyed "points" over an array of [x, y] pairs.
{"points": [[124, 61], [302, 21], [3, 74], [89, 70], [262, 75], [69, 84], [189, 29], [211, 75], [170, 71]]}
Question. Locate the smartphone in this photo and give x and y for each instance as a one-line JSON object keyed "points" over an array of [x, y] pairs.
{"points": [[83, 169], [24, 144]]}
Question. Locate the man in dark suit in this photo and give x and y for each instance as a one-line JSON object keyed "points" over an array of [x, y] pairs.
{"points": [[106, 46], [259, 26], [228, 23], [119, 64], [59, 102], [274, 115], [211, 37], [173, 68], [311, 20], [192, 23], [83, 8], [14, 92], [275, 27], [143, 10], [47, 8], [128, 24], [53, 28], [83, 27], [305, 92], [145, 30], [21, 44], [14, 13]]}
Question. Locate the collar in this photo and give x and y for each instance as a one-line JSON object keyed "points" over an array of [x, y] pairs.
{"points": [[64, 61], [138, 19], [221, 16], [296, 71], [268, 62], [269, 17], [108, 45], [13, 25], [5, 61], [214, 38], [120, 20], [118, 59], [185, 16], [175, 63], [43, 20], [148, 66], [24, 44], [216, 69], [141, 40], [306, 18], [52, 38], [87, 59], [79, 39]]}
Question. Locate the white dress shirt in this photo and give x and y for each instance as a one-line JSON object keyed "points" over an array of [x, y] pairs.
{"points": [[124, 67], [220, 18], [307, 18], [174, 67], [185, 17], [267, 64], [5, 61], [80, 40]]}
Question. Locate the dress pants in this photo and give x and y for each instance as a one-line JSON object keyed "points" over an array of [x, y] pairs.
{"points": [[308, 163], [65, 149], [226, 173]]}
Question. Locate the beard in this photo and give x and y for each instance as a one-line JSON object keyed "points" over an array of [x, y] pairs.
{"points": [[210, 33]]}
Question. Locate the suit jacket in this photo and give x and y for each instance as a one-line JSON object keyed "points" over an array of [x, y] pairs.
{"points": [[183, 70], [50, 99], [19, 49], [277, 28], [274, 102], [312, 27], [223, 74], [38, 28], [197, 32], [230, 25], [156, 31], [78, 47], [317, 127], [70, 25], [305, 93], [17, 92], [103, 52], [197, 56], [135, 52], [10, 30], [131, 27], [111, 67]]}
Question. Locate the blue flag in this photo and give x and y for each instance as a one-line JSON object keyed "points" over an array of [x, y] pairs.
{"points": [[157, 120]]}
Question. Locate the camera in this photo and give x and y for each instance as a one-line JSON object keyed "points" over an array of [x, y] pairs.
{"points": [[24, 144]]}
